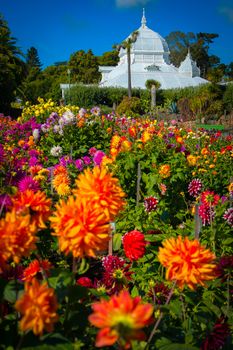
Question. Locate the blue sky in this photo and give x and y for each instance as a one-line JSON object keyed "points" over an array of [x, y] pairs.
{"points": [[58, 28]]}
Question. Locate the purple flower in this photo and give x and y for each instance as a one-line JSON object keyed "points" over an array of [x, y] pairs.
{"points": [[1, 153], [98, 156], [33, 153], [33, 161], [27, 183], [65, 160], [95, 110], [79, 164], [87, 160], [5, 201]]}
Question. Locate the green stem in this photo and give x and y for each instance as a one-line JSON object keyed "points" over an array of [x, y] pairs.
{"points": [[161, 316]]}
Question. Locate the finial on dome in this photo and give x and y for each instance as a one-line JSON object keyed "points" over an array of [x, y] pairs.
{"points": [[143, 22], [188, 54]]}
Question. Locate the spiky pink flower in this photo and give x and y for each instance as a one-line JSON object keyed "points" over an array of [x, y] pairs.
{"points": [[112, 262], [206, 213], [228, 216], [194, 187], [27, 183], [116, 275], [150, 204]]}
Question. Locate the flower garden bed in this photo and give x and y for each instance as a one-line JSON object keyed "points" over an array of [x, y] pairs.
{"points": [[114, 232]]}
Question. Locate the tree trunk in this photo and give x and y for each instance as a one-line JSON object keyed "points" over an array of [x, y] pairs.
{"points": [[153, 96]]}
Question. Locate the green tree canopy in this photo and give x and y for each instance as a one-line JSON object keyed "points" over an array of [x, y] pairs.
{"points": [[84, 67], [12, 66], [109, 58], [32, 58], [199, 45]]}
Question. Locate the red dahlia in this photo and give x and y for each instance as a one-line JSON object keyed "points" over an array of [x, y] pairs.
{"points": [[134, 244]]}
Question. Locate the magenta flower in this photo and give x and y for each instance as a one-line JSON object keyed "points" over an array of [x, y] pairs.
{"points": [[98, 156], [79, 164], [194, 187], [228, 216], [27, 183], [150, 204]]}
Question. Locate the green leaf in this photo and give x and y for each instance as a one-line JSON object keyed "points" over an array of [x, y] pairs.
{"points": [[166, 344], [134, 292], [11, 291], [227, 241], [83, 267], [116, 241]]}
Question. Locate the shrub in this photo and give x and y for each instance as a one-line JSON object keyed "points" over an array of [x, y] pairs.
{"points": [[131, 107]]}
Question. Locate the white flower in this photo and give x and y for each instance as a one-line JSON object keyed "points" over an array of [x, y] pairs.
{"points": [[68, 117], [36, 134], [56, 151], [82, 112]]}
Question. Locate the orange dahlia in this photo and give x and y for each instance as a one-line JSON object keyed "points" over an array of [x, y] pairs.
{"points": [[38, 305], [34, 202], [17, 236], [121, 319], [102, 187], [165, 170], [187, 262], [36, 269], [81, 226]]}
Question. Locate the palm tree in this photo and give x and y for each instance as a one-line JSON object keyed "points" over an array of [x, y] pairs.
{"points": [[126, 45], [153, 86]]}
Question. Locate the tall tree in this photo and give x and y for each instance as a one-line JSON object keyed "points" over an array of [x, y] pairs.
{"points": [[32, 58], [199, 45], [109, 58], [11, 65], [84, 67]]}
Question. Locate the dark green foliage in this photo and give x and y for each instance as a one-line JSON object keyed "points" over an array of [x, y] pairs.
{"points": [[228, 98], [110, 58], [32, 58], [198, 44], [84, 67], [11, 66], [131, 107]]}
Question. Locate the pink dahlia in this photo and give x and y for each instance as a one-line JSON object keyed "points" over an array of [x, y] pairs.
{"points": [[206, 214], [194, 187], [228, 216], [27, 183], [150, 204]]}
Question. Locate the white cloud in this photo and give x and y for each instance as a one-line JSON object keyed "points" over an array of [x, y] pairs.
{"points": [[130, 3]]}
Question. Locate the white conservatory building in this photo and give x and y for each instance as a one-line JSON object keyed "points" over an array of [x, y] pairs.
{"points": [[150, 60]]}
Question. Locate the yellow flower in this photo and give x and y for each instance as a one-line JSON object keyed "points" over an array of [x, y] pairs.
{"points": [[211, 166], [98, 184], [165, 170], [192, 160], [38, 305], [81, 226], [187, 262]]}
